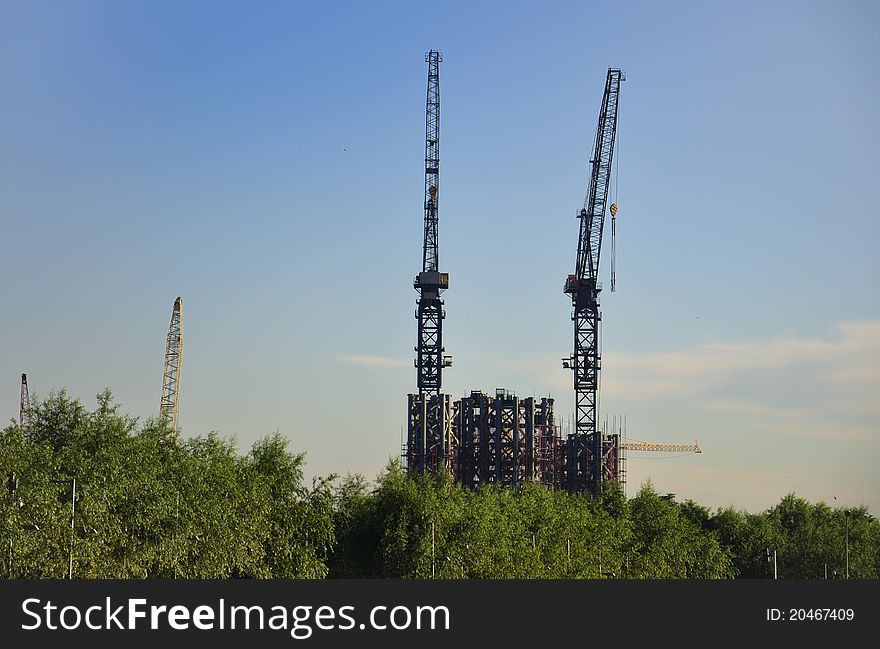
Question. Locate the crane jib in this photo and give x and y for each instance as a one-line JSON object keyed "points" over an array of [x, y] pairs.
{"points": [[593, 213], [431, 247]]}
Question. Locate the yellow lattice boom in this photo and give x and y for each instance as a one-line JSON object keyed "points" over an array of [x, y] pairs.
{"points": [[636, 445]]}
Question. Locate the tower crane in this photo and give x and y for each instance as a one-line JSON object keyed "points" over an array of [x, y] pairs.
{"points": [[428, 427], [169, 406], [430, 282], [592, 456]]}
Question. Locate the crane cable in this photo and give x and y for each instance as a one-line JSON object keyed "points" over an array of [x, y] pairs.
{"points": [[617, 159], [616, 181]]}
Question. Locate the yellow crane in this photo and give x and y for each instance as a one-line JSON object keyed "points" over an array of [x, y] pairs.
{"points": [[171, 376], [636, 445], [627, 444]]}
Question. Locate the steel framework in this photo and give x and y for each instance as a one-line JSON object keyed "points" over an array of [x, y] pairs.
{"points": [[429, 419], [549, 458], [472, 426], [591, 454], [431, 444], [169, 406], [24, 404], [511, 460], [506, 440]]}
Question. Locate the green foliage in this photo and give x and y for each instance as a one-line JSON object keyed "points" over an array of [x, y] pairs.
{"points": [[532, 532], [418, 527], [151, 505], [668, 543], [808, 540]]}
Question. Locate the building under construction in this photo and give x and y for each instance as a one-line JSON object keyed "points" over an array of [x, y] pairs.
{"points": [[506, 440], [479, 438], [484, 439], [502, 439]]}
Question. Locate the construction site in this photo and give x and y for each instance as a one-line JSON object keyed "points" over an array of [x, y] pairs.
{"points": [[460, 309], [503, 439]]}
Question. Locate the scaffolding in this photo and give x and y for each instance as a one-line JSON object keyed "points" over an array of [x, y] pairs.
{"points": [[430, 442], [502, 440]]}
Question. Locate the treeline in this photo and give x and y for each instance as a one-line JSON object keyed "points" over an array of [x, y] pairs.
{"points": [[150, 504]]}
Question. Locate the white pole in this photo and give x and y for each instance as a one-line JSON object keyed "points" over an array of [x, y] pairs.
{"points": [[72, 526], [846, 514]]}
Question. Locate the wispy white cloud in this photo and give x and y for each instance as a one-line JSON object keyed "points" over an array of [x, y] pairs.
{"points": [[774, 414], [755, 489], [745, 407], [372, 361], [852, 359], [820, 388], [810, 424], [806, 387]]}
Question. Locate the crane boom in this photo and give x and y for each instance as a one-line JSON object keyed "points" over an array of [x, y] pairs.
{"points": [[636, 445], [169, 406], [591, 455], [430, 250], [592, 215]]}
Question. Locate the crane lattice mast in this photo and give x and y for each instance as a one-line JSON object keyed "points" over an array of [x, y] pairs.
{"points": [[168, 409], [430, 282], [592, 455], [24, 405]]}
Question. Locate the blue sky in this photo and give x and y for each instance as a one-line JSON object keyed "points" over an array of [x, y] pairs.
{"points": [[264, 161]]}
